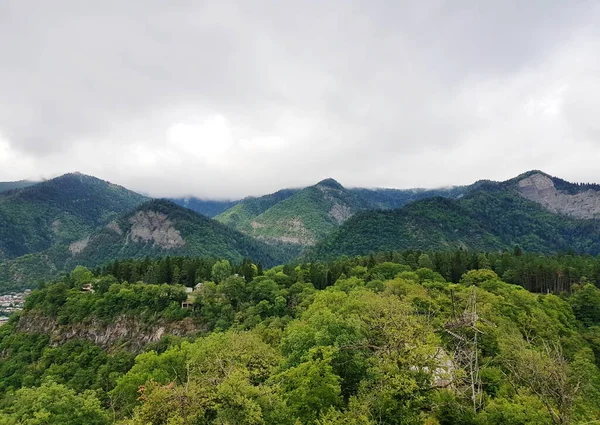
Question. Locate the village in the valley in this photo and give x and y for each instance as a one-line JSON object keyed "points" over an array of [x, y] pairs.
{"points": [[11, 303]]}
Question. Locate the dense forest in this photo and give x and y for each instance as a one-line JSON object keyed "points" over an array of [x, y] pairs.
{"points": [[297, 217], [58, 211], [147, 231], [396, 338], [535, 272], [490, 218], [50, 227]]}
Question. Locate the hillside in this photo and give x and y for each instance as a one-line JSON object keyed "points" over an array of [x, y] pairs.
{"points": [[560, 196], [379, 198], [244, 211], [360, 341], [207, 207], [490, 216], [20, 184], [301, 218], [156, 228], [58, 211]]}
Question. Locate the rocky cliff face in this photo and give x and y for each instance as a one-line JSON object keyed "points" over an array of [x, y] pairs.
{"points": [[125, 331], [155, 227], [540, 188]]}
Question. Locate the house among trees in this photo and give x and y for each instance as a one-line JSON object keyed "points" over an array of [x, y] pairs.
{"points": [[87, 288]]}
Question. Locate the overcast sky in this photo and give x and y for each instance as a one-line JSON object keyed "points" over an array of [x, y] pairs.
{"points": [[232, 98]]}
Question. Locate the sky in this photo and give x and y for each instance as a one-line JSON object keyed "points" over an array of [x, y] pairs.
{"points": [[224, 99]]}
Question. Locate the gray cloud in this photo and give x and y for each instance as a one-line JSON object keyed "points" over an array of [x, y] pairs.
{"points": [[230, 98]]}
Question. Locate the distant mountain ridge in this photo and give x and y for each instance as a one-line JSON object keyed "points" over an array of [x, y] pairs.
{"points": [[54, 225], [385, 199], [301, 217], [155, 228], [560, 196], [20, 184], [251, 207], [534, 210], [298, 217], [61, 210], [160, 227], [207, 207]]}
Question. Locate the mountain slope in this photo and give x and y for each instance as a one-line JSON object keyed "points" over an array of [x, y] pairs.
{"points": [[58, 211], [207, 207], [160, 227], [156, 228], [490, 216], [560, 196], [432, 224], [303, 216], [300, 219], [240, 214], [379, 198], [20, 184]]}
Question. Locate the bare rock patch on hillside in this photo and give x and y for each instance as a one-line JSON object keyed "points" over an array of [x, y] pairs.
{"points": [[340, 212], [540, 188], [114, 226], [155, 227], [78, 246]]}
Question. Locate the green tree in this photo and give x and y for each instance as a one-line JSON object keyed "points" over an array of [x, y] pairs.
{"points": [[586, 305], [425, 261], [82, 275], [221, 271], [53, 404], [311, 388]]}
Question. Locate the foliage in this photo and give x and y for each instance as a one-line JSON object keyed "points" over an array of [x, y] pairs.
{"points": [[53, 404], [372, 345], [300, 218], [248, 208], [201, 237], [494, 219], [58, 211]]}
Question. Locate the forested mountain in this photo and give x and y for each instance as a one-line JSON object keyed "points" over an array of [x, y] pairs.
{"points": [[58, 211], [248, 208], [154, 229], [237, 213], [359, 341], [379, 198], [489, 216], [159, 227], [20, 184], [207, 207], [57, 224], [313, 212], [559, 196], [299, 218]]}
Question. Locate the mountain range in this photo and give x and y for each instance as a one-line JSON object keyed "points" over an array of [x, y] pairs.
{"points": [[58, 211], [304, 216], [535, 211], [75, 219], [50, 227]]}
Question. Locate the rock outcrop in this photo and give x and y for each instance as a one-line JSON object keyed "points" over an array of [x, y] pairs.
{"points": [[129, 332], [541, 189], [155, 227]]}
